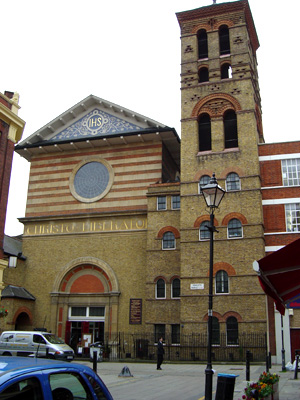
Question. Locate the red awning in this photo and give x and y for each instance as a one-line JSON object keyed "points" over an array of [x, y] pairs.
{"points": [[279, 274]]}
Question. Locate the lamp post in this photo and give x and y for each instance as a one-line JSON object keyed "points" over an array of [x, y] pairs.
{"points": [[213, 194]]}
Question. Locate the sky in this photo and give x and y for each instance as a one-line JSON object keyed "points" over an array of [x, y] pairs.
{"points": [[56, 53]]}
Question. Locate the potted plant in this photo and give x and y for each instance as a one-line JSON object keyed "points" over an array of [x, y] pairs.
{"points": [[3, 312], [273, 380], [258, 390]]}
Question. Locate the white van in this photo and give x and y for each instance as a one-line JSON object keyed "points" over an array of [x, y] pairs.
{"points": [[38, 344]]}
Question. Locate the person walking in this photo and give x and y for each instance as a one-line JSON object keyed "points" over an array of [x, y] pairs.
{"points": [[160, 353]]}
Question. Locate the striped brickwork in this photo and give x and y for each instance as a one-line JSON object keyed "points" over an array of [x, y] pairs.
{"points": [[135, 168]]}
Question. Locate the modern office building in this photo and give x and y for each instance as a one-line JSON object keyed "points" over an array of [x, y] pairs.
{"points": [[280, 180]]}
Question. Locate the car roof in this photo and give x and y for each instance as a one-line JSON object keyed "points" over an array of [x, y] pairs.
{"points": [[13, 366], [29, 332]]}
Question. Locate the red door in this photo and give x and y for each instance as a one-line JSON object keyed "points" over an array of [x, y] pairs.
{"points": [[68, 332], [295, 342]]}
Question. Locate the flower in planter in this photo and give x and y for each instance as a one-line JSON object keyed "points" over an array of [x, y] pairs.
{"points": [[267, 377], [3, 312], [263, 390]]}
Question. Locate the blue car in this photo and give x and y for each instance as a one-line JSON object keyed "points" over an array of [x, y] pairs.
{"points": [[26, 378]]}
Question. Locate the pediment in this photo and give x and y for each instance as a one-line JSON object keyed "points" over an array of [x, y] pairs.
{"points": [[90, 118], [96, 123]]}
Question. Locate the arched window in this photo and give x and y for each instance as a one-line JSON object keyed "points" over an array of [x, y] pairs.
{"points": [[160, 289], [222, 282], [233, 182], [215, 331], [176, 288], [203, 75], [202, 44], [232, 331], [226, 71], [204, 232], [168, 241], [224, 40], [204, 180], [235, 228], [204, 129], [230, 129]]}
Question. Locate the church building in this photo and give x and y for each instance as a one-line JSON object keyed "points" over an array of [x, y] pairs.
{"points": [[115, 229]]}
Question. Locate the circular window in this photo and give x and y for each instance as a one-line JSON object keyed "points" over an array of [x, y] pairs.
{"points": [[91, 180]]}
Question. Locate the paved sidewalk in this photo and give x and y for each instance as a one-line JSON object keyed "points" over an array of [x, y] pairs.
{"points": [[182, 381]]}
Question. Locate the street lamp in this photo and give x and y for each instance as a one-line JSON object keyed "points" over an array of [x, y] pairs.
{"points": [[213, 194]]}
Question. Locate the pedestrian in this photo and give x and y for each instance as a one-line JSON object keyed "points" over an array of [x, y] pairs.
{"points": [[160, 353]]}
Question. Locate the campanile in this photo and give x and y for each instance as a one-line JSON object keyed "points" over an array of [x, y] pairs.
{"points": [[220, 132]]}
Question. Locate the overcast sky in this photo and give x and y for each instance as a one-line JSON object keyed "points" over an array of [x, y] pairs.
{"points": [[56, 53]]}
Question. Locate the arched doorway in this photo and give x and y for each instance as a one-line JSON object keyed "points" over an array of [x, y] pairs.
{"points": [[87, 303], [23, 322]]}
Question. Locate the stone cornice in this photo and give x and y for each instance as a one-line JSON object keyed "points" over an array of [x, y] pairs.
{"points": [[16, 124]]}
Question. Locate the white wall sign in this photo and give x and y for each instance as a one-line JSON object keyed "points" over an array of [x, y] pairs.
{"points": [[197, 286]]}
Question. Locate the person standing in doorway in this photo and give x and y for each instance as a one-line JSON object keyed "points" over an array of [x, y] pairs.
{"points": [[160, 353]]}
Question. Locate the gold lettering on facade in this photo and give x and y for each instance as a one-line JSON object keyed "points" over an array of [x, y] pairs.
{"points": [[55, 228], [70, 229], [126, 226], [109, 225], [95, 122]]}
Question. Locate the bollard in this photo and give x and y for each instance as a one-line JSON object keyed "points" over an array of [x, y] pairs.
{"points": [[247, 365], [47, 352], [95, 354], [267, 364], [254, 394], [225, 386], [296, 367], [125, 372]]}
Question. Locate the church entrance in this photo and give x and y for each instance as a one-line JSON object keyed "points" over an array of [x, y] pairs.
{"points": [[84, 327]]}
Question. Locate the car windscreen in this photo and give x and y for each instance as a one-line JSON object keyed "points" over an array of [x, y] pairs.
{"points": [[53, 339]]}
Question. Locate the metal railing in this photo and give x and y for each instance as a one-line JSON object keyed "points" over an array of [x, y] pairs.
{"points": [[191, 347]]}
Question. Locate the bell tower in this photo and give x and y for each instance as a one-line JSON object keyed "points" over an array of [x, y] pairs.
{"points": [[219, 82], [220, 132]]}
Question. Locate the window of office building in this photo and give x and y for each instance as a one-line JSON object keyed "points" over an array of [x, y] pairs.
{"points": [[291, 172], [292, 217]]}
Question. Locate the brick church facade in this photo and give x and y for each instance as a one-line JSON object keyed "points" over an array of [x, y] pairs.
{"points": [[115, 227]]}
